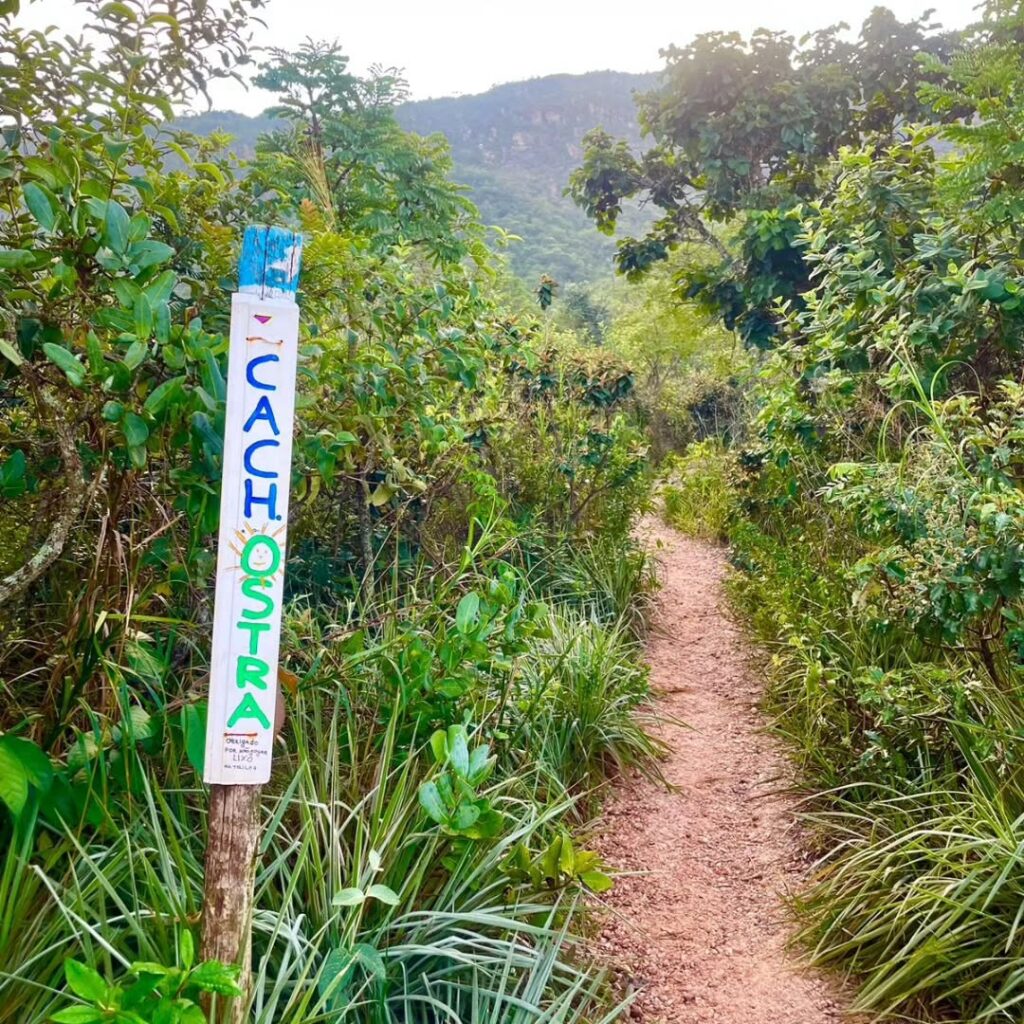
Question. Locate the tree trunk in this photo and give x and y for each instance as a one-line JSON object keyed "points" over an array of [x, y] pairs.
{"points": [[234, 831]]}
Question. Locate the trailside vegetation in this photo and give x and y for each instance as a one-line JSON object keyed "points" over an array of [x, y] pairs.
{"points": [[860, 205], [460, 668]]}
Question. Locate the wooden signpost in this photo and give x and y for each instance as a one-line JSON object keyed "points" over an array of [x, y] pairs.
{"points": [[249, 582]]}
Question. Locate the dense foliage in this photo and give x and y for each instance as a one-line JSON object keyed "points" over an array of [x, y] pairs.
{"points": [[874, 511], [459, 659]]}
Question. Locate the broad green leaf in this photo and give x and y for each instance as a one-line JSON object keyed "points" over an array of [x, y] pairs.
{"points": [[193, 724], [372, 959], [465, 816], [384, 894], [458, 751], [212, 976], [34, 762], [135, 355], [159, 396], [439, 746], [12, 473], [596, 881], [85, 982], [480, 764], [566, 859], [186, 949], [60, 356], [159, 290], [41, 205], [431, 802], [11, 259], [351, 897], [336, 973], [149, 253], [117, 10], [112, 411], [115, 226], [13, 781], [94, 352], [382, 494], [151, 967], [466, 613], [136, 430], [143, 318]]}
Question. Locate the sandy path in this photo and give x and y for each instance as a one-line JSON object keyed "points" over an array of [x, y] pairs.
{"points": [[702, 933]]}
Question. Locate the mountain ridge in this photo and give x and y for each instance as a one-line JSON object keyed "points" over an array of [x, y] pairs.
{"points": [[514, 146]]}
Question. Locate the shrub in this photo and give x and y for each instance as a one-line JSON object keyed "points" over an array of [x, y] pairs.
{"points": [[699, 490]]}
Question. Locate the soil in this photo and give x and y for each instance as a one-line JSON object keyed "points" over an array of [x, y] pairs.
{"points": [[699, 927]]}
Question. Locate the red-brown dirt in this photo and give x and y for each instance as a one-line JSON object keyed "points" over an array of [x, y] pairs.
{"points": [[700, 930]]}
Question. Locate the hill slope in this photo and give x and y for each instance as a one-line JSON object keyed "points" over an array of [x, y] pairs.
{"points": [[515, 146]]}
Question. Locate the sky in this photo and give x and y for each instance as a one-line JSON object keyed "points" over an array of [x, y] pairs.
{"points": [[457, 47]]}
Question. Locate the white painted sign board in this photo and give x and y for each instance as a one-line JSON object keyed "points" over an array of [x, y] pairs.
{"points": [[253, 514]]}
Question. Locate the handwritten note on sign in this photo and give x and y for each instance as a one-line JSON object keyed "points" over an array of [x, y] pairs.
{"points": [[253, 510]]}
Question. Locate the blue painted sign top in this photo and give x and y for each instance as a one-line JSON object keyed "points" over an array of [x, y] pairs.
{"points": [[269, 265]]}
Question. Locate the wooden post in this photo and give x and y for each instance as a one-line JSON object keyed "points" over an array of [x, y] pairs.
{"points": [[249, 586]]}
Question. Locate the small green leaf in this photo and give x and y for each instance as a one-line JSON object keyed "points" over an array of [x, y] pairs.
{"points": [[439, 746], [351, 897], [384, 894], [10, 353], [77, 1015], [60, 356], [186, 949], [85, 982], [466, 613]]}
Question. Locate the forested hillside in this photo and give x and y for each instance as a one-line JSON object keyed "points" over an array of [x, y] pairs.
{"points": [[514, 146]]}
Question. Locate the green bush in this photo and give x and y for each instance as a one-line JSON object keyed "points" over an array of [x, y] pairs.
{"points": [[699, 491]]}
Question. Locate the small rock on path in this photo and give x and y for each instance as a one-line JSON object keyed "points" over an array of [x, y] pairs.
{"points": [[701, 932]]}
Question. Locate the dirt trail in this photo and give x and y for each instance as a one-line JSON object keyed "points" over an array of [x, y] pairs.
{"points": [[702, 932]]}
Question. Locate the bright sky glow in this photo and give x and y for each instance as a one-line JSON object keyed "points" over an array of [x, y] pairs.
{"points": [[451, 47]]}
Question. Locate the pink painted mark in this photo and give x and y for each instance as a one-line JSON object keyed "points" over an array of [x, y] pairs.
{"points": [[263, 318]]}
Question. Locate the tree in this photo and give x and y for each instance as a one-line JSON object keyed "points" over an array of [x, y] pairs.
{"points": [[741, 131], [349, 156]]}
